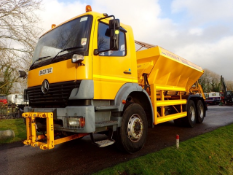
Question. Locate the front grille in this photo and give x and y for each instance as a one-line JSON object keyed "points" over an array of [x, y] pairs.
{"points": [[57, 95]]}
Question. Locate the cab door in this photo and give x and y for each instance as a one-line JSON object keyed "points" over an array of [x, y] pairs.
{"points": [[111, 69]]}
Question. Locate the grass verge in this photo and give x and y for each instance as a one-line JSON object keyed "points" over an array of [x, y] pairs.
{"points": [[17, 125], [210, 153]]}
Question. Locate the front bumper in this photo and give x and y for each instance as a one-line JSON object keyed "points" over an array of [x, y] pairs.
{"points": [[63, 114]]}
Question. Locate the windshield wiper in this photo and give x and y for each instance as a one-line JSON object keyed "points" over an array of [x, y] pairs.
{"points": [[66, 49], [41, 58]]}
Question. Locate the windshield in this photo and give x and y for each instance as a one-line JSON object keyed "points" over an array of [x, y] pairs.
{"points": [[71, 34]]}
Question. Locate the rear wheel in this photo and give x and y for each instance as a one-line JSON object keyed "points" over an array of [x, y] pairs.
{"points": [[133, 131], [200, 111], [190, 119]]}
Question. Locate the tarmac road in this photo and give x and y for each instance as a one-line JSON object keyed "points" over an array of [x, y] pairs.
{"points": [[82, 157]]}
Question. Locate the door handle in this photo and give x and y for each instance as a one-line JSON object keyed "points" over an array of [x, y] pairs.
{"points": [[126, 72]]}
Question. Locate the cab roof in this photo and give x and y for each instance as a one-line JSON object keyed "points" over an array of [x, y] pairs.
{"points": [[94, 14]]}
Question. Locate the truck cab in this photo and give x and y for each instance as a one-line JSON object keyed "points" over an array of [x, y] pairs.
{"points": [[80, 94]]}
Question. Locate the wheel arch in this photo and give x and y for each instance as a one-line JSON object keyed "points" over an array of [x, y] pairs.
{"points": [[133, 93]]}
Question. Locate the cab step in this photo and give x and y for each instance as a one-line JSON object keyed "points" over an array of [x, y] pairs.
{"points": [[104, 143], [105, 123]]}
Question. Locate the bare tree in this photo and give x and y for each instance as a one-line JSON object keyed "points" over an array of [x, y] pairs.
{"points": [[229, 85], [210, 81], [18, 35]]}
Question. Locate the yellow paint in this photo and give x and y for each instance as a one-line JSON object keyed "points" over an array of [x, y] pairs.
{"points": [[31, 129], [33, 139], [197, 89], [62, 71], [179, 59], [167, 73], [108, 71], [170, 102], [162, 105], [99, 85], [173, 71], [171, 117], [170, 88], [68, 138], [114, 78]]}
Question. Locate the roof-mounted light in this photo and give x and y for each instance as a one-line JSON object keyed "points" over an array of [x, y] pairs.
{"points": [[53, 26], [88, 8]]}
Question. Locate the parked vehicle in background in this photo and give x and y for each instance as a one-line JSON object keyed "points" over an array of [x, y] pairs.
{"points": [[227, 95], [3, 106], [3, 99], [206, 95], [213, 98], [16, 101], [228, 98]]}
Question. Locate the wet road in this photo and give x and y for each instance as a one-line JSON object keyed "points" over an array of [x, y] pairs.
{"points": [[82, 157]]}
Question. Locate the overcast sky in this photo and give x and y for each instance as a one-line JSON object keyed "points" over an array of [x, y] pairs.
{"points": [[200, 31]]}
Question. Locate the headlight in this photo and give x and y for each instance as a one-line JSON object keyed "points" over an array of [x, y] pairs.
{"points": [[76, 122]]}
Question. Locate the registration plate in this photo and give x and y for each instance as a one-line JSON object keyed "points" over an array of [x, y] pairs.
{"points": [[46, 71]]}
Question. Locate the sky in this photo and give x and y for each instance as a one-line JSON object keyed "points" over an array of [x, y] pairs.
{"points": [[200, 31]]}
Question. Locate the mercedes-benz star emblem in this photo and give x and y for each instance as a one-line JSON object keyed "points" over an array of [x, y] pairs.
{"points": [[45, 86]]}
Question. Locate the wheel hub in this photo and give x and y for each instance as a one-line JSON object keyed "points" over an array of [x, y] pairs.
{"points": [[192, 112], [135, 128], [201, 111]]}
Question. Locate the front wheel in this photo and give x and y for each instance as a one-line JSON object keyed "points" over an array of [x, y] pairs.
{"points": [[134, 127]]}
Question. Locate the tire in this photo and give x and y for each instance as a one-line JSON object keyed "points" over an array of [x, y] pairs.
{"points": [[200, 111], [133, 131], [190, 119]]}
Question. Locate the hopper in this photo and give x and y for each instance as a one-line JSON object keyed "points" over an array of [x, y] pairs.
{"points": [[166, 70]]}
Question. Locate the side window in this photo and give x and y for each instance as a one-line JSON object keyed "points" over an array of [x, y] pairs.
{"points": [[104, 42]]}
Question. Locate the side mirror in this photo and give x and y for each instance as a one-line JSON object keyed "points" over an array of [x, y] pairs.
{"points": [[114, 26], [22, 74]]}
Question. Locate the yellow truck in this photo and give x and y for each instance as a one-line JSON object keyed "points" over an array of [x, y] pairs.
{"points": [[87, 77]]}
